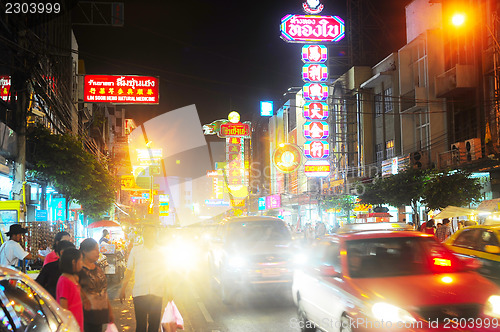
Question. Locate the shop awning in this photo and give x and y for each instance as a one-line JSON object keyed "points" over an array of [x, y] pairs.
{"points": [[104, 223], [455, 211], [491, 205]]}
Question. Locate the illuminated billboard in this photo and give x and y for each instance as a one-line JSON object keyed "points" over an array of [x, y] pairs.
{"points": [[314, 53], [5, 83], [312, 28], [315, 91], [120, 89], [266, 108], [234, 130], [314, 72], [316, 111]]}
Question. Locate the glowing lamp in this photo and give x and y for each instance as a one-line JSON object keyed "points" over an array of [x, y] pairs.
{"points": [[458, 19]]}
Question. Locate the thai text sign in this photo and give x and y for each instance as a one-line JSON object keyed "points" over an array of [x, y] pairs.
{"points": [[234, 130], [312, 28], [121, 89]]}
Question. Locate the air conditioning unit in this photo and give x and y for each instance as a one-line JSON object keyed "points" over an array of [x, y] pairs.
{"points": [[473, 149], [457, 153], [419, 159]]}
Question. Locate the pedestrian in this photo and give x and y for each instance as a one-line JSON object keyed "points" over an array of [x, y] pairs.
{"points": [[143, 263], [105, 237], [423, 225], [50, 273], [96, 307], [429, 227], [68, 288], [444, 231], [52, 256], [11, 251]]}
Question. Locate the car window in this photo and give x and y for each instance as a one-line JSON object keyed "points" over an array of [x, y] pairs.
{"points": [[28, 312], [386, 257], [332, 256], [256, 231], [467, 239], [6, 323], [486, 237]]}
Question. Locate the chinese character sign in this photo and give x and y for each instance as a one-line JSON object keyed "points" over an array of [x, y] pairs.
{"points": [[314, 53], [316, 111], [315, 91], [314, 72], [121, 89]]}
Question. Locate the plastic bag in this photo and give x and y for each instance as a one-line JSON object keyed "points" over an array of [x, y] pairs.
{"points": [[111, 328], [172, 319]]}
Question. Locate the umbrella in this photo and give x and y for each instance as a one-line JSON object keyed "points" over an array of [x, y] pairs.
{"points": [[455, 211], [104, 223]]}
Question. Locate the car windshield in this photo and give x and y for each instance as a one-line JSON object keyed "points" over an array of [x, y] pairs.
{"points": [[402, 256], [259, 230]]}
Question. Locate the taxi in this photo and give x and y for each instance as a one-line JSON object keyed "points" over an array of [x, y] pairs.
{"points": [[384, 276], [481, 242]]}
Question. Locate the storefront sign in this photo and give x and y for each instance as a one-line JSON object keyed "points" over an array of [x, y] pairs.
{"points": [[235, 130], [41, 215], [317, 168], [316, 111], [287, 158], [314, 53], [216, 202], [5, 83], [273, 201], [315, 91], [121, 89], [314, 72], [316, 149], [262, 203], [316, 130], [311, 28], [266, 108]]}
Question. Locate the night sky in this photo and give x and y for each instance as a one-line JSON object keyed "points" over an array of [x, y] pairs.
{"points": [[218, 55]]}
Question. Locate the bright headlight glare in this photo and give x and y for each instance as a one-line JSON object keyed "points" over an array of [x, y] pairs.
{"points": [[300, 258], [391, 313], [492, 307], [237, 261]]}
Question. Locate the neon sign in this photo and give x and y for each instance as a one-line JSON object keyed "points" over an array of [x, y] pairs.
{"points": [[234, 130], [287, 158], [316, 130], [316, 149], [314, 53], [316, 111], [314, 72], [312, 28], [312, 7], [317, 168], [5, 83], [120, 89], [315, 91]]}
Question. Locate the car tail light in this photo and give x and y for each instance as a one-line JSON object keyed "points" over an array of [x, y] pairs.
{"points": [[441, 262]]}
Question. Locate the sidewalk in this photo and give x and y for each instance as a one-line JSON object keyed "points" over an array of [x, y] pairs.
{"points": [[124, 312]]}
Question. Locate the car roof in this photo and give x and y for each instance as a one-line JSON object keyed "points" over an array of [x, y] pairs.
{"points": [[250, 219], [494, 226], [377, 234]]}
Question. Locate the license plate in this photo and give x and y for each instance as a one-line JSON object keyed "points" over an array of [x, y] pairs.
{"points": [[270, 272]]}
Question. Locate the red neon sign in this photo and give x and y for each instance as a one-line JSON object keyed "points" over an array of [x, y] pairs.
{"points": [[119, 89], [312, 28], [5, 84], [234, 130]]}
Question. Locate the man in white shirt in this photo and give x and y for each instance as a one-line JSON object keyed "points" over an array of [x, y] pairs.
{"points": [[11, 251], [145, 262]]}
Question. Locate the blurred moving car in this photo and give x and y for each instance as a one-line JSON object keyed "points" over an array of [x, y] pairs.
{"points": [[26, 306], [481, 242], [385, 277], [250, 251]]}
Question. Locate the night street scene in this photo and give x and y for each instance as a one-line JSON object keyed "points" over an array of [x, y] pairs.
{"points": [[237, 166]]}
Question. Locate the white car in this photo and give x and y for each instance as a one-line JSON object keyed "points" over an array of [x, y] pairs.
{"points": [[27, 306]]}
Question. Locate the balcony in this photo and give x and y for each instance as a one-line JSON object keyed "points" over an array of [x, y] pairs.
{"points": [[455, 81], [414, 100]]}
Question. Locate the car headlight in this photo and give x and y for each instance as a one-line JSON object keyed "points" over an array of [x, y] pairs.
{"points": [[391, 313], [300, 259], [492, 307], [237, 261]]}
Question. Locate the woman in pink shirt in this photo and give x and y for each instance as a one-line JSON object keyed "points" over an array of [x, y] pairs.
{"points": [[68, 289], [52, 256]]}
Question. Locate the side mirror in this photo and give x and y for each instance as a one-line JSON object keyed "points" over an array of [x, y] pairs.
{"points": [[328, 271], [492, 249]]}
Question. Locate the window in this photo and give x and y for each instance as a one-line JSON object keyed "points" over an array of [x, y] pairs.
{"points": [[388, 106], [467, 239], [389, 149], [332, 256], [378, 104], [486, 238], [379, 152], [422, 130]]}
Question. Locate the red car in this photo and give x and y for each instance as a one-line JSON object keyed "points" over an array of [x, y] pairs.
{"points": [[383, 277]]}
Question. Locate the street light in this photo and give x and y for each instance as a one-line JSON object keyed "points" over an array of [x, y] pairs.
{"points": [[458, 19]]}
